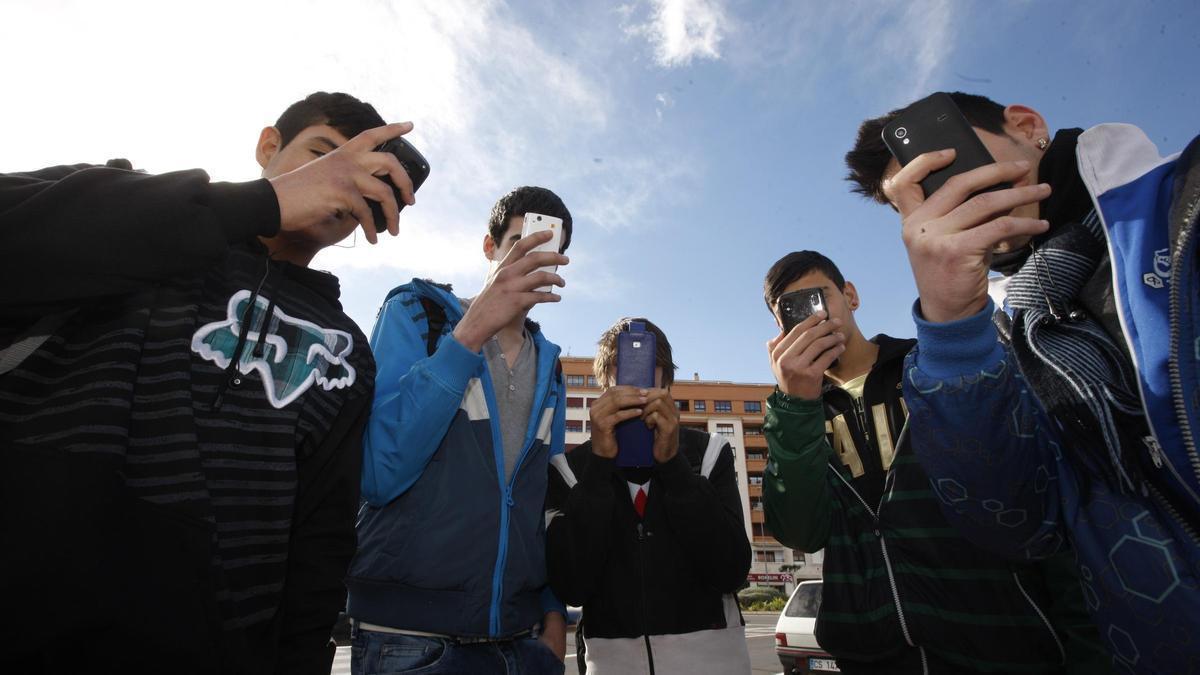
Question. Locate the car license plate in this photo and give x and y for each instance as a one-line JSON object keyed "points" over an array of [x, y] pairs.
{"points": [[828, 665]]}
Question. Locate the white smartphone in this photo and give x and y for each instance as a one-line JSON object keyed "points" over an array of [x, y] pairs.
{"points": [[538, 222]]}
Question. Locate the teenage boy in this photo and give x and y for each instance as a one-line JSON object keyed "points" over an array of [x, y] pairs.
{"points": [[181, 405], [450, 575], [1077, 400], [903, 592], [652, 554]]}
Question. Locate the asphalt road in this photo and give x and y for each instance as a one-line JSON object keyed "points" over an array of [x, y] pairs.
{"points": [[760, 633]]}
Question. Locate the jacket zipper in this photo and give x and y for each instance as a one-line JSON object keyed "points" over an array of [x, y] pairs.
{"points": [[1177, 394], [1062, 652], [506, 503], [1172, 362], [641, 537], [860, 412], [883, 544], [1167, 506]]}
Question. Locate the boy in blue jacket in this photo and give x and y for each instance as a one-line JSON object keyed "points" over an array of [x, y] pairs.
{"points": [[1065, 418], [450, 574]]}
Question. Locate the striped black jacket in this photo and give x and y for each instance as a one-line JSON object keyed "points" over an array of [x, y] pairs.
{"points": [[180, 459], [903, 592]]}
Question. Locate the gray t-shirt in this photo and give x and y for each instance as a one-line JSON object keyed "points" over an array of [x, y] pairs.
{"points": [[514, 393]]}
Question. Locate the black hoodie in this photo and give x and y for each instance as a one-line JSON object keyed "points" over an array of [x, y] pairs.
{"points": [[178, 484]]}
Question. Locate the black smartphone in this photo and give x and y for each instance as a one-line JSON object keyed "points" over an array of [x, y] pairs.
{"points": [[414, 164], [798, 305], [935, 123]]}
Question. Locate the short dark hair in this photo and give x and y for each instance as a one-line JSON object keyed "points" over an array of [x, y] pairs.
{"points": [[343, 112], [605, 364], [869, 158], [793, 266], [529, 199]]}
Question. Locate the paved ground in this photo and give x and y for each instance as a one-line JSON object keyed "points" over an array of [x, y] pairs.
{"points": [[760, 634]]}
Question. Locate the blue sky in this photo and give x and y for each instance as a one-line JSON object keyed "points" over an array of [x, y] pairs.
{"points": [[695, 141]]}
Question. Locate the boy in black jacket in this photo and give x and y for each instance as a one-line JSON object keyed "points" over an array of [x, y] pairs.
{"points": [[652, 554], [181, 405]]}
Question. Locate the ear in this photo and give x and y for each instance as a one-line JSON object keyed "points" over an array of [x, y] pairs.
{"points": [[268, 146], [489, 247], [851, 295], [1025, 124]]}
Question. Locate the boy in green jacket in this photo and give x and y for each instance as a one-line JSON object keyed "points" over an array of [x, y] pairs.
{"points": [[903, 592]]}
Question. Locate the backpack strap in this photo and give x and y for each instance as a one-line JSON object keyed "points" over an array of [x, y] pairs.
{"points": [[711, 453], [435, 317]]}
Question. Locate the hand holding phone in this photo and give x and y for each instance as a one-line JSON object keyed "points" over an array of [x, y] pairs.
{"points": [[951, 228], [808, 345], [414, 165], [537, 222]]}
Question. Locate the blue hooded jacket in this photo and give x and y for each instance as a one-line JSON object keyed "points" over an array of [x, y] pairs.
{"points": [[446, 544], [1001, 465]]}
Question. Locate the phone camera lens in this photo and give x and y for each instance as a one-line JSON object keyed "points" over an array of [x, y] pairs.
{"points": [[901, 132], [539, 217]]}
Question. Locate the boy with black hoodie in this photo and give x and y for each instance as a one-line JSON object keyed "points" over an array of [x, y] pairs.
{"points": [[652, 554], [903, 591], [181, 405]]}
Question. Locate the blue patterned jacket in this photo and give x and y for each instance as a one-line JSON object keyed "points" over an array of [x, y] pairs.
{"points": [[1001, 465]]}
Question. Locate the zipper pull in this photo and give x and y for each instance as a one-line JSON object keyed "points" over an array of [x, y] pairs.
{"points": [[1156, 453]]}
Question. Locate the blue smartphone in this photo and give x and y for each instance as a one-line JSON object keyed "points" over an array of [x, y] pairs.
{"points": [[635, 367]]}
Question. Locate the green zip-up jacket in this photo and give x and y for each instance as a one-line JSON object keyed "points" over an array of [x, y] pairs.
{"points": [[903, 592]]}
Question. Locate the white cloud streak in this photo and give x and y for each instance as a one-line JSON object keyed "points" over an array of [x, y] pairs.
{"points": [[681, 31], [496, 104]]}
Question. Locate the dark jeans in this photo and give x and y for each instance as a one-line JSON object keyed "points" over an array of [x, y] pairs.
{"points": [[374, 653]]}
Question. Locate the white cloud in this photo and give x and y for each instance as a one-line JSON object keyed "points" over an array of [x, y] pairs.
{"points": [[895, 49], [682, 30], [173, 86], [662, 101]]}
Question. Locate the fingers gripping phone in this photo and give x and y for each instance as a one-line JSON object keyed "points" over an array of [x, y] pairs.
{"points": [[931, 124], [636, 349], [414, 165], [797, 306], [537, 222]]}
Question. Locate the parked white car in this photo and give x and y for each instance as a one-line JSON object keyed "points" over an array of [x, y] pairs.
{"points": [[794, 640]]}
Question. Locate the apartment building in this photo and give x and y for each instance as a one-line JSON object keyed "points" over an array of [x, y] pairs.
{"points": [[735, 411]]}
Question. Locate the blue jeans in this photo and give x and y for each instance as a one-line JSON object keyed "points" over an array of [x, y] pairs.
{"points": [[374, 653]]}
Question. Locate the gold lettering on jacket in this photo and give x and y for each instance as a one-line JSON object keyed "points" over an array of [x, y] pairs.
{"points": [[883, 436], [843, 445]]}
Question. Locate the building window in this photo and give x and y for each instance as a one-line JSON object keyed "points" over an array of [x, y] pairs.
{"points": [[768, 556], [588, 402], [681, 406], [574, 402], [722, 406], [575, 380], [753, 479], [752, 431], [591, 381], [752, 406], [588, 424], [575, 426], [761, 530], [725, 430], [751, 454], [701, 406], [756, 505]]}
